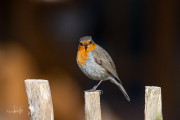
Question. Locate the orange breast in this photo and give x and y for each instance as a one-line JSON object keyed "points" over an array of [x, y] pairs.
{"points": [[82, 54]]}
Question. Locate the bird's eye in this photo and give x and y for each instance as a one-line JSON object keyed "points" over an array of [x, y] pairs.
{"points": [[80, 43], [90, 42]]}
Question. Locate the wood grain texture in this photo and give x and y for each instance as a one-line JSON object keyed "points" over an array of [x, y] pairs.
{"points": [[92, 105], [39, 99], [153, 103]]}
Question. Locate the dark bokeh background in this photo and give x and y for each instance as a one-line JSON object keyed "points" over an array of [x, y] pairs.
{"points": [[39, 40]]}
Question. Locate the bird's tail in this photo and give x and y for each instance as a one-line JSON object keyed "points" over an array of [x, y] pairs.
{"points": [[121, 88]]}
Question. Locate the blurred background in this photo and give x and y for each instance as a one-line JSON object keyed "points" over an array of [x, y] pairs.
{"points": [[39, 40]]}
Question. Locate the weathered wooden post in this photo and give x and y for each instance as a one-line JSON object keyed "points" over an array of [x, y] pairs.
{"points": [[39, 99], [153, 103], [92, 105]]}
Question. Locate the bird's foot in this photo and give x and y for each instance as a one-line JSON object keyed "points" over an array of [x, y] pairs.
{"points": [[92, 90], [95, 87]]}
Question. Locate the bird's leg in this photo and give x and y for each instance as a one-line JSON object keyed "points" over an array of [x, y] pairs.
{"points": [[94, 88]]}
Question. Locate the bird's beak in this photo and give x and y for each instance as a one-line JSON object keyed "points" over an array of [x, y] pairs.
{"points": [[85, 46]]}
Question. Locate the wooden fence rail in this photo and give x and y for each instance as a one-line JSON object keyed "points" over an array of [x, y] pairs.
{"points": [[39, 99], [41, 107], [153, 103], [92, 105]]}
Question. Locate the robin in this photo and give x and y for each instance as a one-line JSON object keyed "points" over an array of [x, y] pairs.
{"points": [[97, 64]]}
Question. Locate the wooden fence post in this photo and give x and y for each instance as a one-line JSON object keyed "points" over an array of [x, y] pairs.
{"points": [[39, 99], [153, 103], [92, 105]]}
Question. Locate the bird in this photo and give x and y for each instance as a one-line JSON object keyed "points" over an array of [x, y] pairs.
{"points": [[97, 64]]}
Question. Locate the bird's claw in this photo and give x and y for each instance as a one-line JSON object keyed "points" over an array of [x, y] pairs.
{"points": [[92, 90]]}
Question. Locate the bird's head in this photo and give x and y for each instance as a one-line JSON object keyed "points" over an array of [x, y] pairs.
{"points": [[86, 44]]}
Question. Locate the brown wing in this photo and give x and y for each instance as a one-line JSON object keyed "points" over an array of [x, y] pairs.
{"points": [[103, 58]]}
